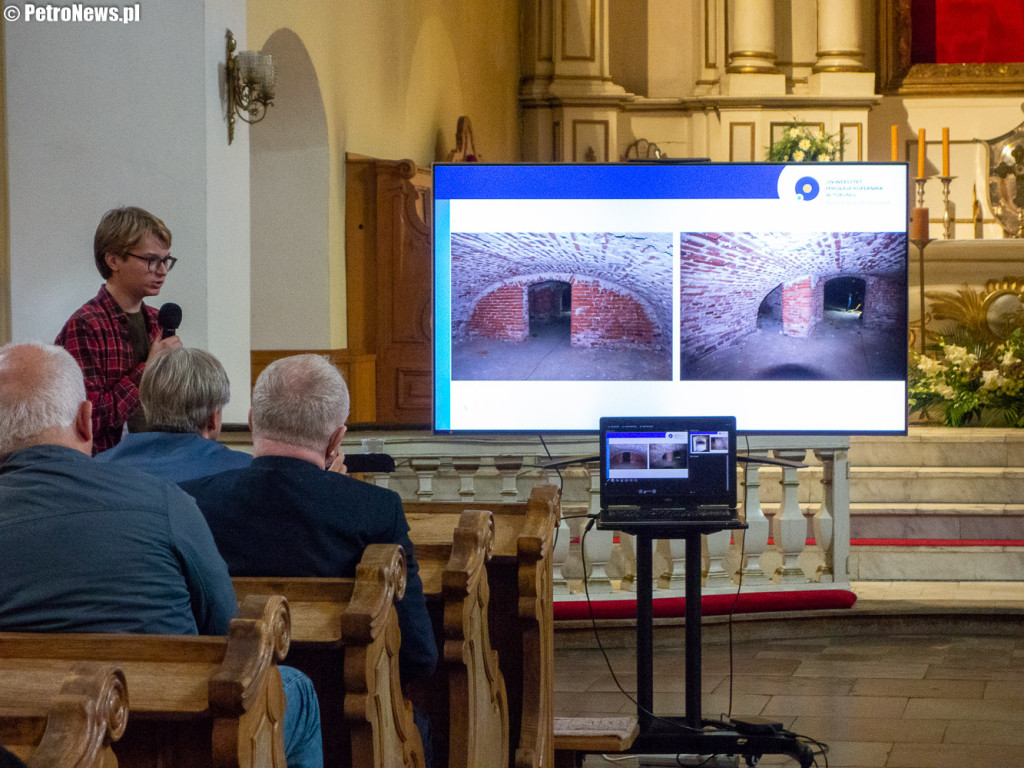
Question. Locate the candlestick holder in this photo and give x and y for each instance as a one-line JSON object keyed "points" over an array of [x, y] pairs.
{"points": [[920, 180], [947, 217], [921, 244]]}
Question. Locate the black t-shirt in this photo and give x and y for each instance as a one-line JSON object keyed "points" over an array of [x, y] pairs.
{"points": [[138, 335]]}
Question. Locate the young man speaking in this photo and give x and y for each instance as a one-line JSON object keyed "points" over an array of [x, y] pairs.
{"points": [[115, 334]]}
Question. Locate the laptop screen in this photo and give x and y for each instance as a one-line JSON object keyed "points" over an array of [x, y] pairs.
{"points": [[668, 462]]}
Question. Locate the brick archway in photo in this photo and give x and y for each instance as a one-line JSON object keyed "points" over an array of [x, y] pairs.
{"points": [[619, 285], [726, 276]]}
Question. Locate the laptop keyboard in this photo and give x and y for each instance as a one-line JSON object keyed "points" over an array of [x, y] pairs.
{"points": [[634, 515]]}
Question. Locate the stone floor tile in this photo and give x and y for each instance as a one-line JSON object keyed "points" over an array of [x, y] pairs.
{"points": [[877, 729], [837, 706], [999, 710], [952, 756], [928, 688], [796, 686], [984, 732], [858, 669], [1003, 689]]}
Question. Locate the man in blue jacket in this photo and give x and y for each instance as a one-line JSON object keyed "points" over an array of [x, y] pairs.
{"points": [[91, 548]]}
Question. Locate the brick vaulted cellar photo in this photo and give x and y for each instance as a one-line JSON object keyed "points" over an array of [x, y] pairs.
{"points": [[815, 306], [561, 306]]}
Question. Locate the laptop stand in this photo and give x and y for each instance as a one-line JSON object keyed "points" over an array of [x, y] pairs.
{"points": [[674, 735]]}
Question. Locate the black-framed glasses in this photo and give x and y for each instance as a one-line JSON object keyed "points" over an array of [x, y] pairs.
{"points": [[154, 262]]}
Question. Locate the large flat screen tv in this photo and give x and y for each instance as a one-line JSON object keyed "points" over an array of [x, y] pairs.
{"points": [[776, 293]]}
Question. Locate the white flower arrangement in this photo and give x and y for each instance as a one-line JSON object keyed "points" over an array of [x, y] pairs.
{"points": [[805, 143], [955, 386]]}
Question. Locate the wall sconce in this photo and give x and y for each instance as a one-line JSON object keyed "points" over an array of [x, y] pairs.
{"points": [[250, 84]]}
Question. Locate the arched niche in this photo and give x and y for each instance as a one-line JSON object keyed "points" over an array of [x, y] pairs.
{"points": [[288, 180]]}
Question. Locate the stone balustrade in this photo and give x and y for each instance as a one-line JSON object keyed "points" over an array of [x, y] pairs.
{"points": [[798, 534]]}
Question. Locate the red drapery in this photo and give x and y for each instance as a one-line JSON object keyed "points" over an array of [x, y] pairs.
{"points": [[967, 31]]}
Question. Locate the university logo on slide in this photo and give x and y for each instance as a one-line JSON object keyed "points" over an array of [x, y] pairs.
{"points": [[807, 188]]}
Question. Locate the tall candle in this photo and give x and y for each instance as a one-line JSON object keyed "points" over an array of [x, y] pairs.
{"points": [[920, 153], [945, 151], [895, 146]]}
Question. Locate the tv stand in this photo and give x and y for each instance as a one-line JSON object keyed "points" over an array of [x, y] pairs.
{"points": [[687, 735]]}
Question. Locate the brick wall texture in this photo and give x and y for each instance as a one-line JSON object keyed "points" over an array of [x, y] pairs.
{"points": [[726, 275], [620, 284]]}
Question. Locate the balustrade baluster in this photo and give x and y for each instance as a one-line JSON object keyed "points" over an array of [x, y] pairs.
{"points": [[669, 564], [753, 541], [789, 528], [572, 568], [559, 556], [425, 469], [713, 550], [466, 468], [835, 501], [508, 467]]}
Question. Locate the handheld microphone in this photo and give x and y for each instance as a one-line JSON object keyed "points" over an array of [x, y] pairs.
{"points": [[169, 318]]}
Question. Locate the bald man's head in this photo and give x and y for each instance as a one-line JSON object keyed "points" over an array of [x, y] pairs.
{"points": [[42, 399]]}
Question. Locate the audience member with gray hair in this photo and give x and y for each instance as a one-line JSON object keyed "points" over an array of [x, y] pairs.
{"points": [[316, 419], [117, 550], [183, 394], [33, 405], [285, 515], [157, 569]]}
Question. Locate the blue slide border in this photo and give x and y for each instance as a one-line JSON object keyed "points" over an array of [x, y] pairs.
{"points": [[732, 181]]}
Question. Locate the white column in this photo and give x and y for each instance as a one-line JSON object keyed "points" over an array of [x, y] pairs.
{"points": [[840, 41], [752, 36], [751, 53], [839, 68]]}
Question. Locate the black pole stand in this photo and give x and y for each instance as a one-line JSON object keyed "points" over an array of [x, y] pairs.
{"points": [[690, 734]]}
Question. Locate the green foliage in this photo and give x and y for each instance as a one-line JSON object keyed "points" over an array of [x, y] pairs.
{"points": [[802, 143]]}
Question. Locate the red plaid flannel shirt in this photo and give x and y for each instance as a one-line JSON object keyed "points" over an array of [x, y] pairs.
{"points": [[97, 337]]}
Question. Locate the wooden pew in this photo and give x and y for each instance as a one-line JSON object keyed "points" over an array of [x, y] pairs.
{"points": [[75, 729], [468, 693], [521, 619], [345, 636], [195, 700]]}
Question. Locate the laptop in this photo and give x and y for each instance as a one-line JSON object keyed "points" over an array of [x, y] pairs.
{"points": [[671, 471]]}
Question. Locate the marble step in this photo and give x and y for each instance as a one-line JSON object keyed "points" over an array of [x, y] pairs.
{"points": [[947, 521], [947, 563], [941, 446], [947, 485], [909, 485]]}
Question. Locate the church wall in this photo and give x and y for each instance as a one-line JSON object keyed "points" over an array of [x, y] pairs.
{"points": [[289, 164], [101, 115], [394, 78], [5, 251]]}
